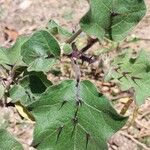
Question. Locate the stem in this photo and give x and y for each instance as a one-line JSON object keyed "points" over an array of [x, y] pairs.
{"points": [[77, 72], [90, 43], [74, 36]]}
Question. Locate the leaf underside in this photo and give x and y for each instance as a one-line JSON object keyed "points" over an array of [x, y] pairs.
{"points": [[113, 19], [74, 117], [133, 73]]}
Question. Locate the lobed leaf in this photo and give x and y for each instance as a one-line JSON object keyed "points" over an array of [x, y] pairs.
{"points": [[113, 19], [74, 117], [133, 73]]}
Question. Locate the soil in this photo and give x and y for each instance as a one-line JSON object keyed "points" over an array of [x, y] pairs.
{"points": [[19, 17]]}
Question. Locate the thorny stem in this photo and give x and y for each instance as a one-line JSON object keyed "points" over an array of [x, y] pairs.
{"points": [[76, 69], [90, 43], [77, 72], [75, 64], [74, 36]]}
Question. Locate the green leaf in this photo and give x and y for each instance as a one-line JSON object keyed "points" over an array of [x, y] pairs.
{"points": [[55, 28], [8, 142], [71, 117], [12, 56], [113, 19], [3, 56], [134, 73], [29, 88], [39, 51], [14, 53]]}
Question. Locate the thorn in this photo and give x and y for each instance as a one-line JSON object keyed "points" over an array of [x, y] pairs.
{"points": [[114, 14], [87, 139], [28, 94], [63, 103], [10, 65], [91, 60], [78, 81], [120, 78], [135, 78], [100, 94], [75, 115], [79, 102], [35, 145], [125, 74], [33, 98], [120, 64], [116, 69], [59, 132], [87, 59], [75, 121]]}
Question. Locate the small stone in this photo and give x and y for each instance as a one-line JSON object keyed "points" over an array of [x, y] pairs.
{"points": [[25, 4], [115, 90], [105, 89]]}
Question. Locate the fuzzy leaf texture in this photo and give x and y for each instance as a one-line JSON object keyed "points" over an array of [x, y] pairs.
{"points": [[133, 72], [40, 51], [113, 19], [70, 117], [8, 142]]}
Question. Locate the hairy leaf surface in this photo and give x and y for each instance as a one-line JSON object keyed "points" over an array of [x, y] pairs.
{"points": [[40, 51], [112, 18], [74, 117], [133, 73], [8, 142]]}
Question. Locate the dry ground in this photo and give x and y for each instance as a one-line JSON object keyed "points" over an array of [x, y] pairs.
{"points": [[23, 16]]}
